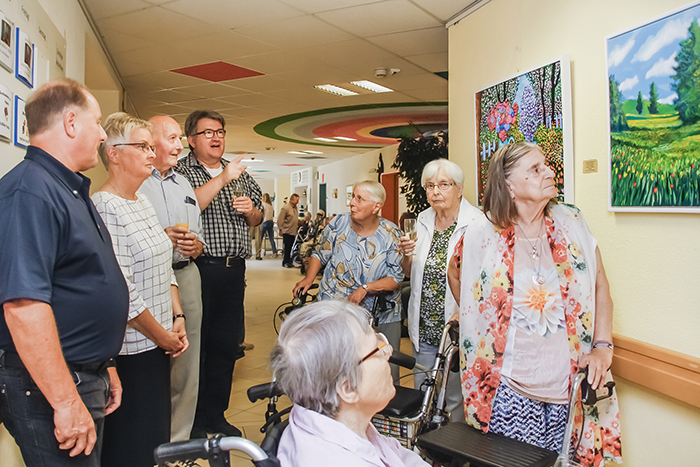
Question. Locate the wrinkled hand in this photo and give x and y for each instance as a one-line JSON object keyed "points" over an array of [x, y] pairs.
{"points": [[171, 343], [75, 429], [188, 245], [233, 169], [179, 329], [115, 391], [176, 234], [357, 295], [598, 363], [302, 286], [406, 245], [243, 204]]}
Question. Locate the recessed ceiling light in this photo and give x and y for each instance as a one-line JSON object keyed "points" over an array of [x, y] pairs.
{"points": [[335, 90], [344, 138], [326, 140], [370, 86], [308, 151], [296, 152]]}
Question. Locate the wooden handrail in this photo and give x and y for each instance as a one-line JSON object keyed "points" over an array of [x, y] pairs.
{"points": [[671, 373]]}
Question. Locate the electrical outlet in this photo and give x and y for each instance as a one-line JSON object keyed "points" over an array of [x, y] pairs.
{"points": [[590, 166]]}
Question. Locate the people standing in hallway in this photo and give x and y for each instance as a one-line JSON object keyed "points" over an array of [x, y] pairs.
{"points": [[178, 212], [288, 223], [362, 261], [268, 225], [64, 297], [231, 202], [156, 326]]}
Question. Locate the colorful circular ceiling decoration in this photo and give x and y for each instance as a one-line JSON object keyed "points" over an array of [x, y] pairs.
{"points": [[370, 126]]}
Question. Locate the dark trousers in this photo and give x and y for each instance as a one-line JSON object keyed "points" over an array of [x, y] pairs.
{"points": [[223, 331], [142, 422], [288, 244], [28, 416], [268, 229]]}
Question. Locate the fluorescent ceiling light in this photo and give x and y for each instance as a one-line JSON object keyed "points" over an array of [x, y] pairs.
{"points": [[370, 86], [345, 139], [296, 152], [336, 90], [308, 151], [326, 140]]}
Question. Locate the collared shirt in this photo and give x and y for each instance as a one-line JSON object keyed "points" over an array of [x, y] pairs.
{"points": [[144, 253], [174, 200], [54, 248], [225, 229], [288, 220], [352, 261], [314, 440]]}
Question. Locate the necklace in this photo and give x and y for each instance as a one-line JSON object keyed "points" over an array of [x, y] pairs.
{"points": [[537, 277], [119, 192]]}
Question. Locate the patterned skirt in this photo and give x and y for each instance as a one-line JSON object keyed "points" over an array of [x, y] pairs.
{"points": [[539, 423]]}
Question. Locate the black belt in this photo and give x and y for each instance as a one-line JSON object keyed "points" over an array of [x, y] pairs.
{"points": [[181, 264], [12, 360], [228, 261]]}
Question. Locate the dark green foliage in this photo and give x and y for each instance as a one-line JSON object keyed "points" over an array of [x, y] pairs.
{"points": [[412, 156], [640, 103], [687, 85], [653, 99], [618, 121]]}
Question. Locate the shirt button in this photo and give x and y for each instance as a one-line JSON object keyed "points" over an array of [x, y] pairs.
{"points": [[75, 192]]}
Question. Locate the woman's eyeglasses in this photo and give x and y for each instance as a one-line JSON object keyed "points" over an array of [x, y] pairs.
{"points": [[144, 147], [444, 186], [383, 346]]}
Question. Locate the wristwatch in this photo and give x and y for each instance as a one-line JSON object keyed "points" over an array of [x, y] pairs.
{"points": [[364, 286]]}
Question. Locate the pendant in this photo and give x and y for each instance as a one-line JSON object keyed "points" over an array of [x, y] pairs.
{"points": [[538, 279], [535, 255]]}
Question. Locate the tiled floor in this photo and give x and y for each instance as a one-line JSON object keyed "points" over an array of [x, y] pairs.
{"points": [[269, 285]]}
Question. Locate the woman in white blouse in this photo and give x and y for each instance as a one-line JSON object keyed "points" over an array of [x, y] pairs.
{"points": [[156, 326]]}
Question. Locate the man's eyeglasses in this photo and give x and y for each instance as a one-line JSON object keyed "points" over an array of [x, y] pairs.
{"points": [[443, 186], [144, 147], [383, 347], [209, 134]]}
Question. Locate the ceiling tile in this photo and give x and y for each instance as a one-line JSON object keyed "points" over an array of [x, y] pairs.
{"points": [[251, 100], [345, 52], [261, 83], [377, 18], [315, 6], [278, 62], [405, 83], [117, 42], [228, 45], [217, 71], [296, 32], [164, 80], [101, 9], [436, 94], [232, 15], [214, 90], [444, 9], [432, 62], [366, 69], [419, 41], [170, 96]]}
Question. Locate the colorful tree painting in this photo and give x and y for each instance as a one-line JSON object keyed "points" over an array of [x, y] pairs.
{"points": [[532, 106], [654, 163]]}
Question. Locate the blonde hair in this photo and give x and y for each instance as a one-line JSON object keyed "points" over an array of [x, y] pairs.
{"points": [[119, 127], [376, 191]]}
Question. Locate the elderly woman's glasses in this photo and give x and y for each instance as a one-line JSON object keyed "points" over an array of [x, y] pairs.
{"points": [[144, 147], [443, 186], [382, 346], [209, 134]]}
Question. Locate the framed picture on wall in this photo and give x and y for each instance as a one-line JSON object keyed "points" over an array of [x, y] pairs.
{"points": [[5, 114], [7, 57], [21, 133], [535, 106], [654, 114], [24, 58]]}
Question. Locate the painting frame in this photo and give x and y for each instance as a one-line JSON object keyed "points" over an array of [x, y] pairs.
{"points": [[6, 113], [645, 176], [502, 125], [21, 134], [7, 46], [25, 58]]}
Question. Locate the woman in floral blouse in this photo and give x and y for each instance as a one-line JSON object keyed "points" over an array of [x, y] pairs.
{"points": [[535, 307], [438, 229]]}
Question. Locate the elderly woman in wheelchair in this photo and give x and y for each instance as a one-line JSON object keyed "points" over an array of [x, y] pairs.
{"points": [[335, 369]]}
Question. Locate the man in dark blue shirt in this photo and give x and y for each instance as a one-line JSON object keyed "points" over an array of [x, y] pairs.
{"points": [[64, 296]]}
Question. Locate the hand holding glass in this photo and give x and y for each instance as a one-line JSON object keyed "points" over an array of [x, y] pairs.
{"points": [[409, 227]]}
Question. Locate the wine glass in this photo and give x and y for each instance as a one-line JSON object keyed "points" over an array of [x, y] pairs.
{"points": [[409, 227]]}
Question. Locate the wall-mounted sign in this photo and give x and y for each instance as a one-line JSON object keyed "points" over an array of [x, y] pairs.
{"points": [[24, 59], [5, 114], [21, 131]]}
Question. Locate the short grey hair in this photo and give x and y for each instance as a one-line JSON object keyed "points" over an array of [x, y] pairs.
{"points": [[118, 128], [317, 351], [451, 169], [376, 191]]}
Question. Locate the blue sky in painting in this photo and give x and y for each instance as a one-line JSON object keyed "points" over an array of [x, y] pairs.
{"points": [[648, 53]]}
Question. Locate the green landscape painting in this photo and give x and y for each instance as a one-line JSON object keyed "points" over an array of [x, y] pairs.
{"points": [[654, 95]]}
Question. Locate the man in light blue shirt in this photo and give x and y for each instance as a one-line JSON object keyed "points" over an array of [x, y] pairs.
{"points": [[178, 212]]}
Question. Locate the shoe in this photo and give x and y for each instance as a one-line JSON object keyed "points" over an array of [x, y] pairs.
{"points": [[259, 258], [287, 266], [247, 346], [225, 428]]}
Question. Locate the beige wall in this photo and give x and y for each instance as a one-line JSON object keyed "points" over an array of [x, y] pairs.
{"points": [[652, 260]]}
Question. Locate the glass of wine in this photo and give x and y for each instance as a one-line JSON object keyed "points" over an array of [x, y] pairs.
{"points": [[409, 227]]}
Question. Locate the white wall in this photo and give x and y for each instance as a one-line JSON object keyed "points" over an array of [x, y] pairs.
{"points": [[652, 260]]}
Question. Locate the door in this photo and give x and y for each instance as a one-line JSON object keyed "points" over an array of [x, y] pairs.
{"points": [[322, 197], [390, 211]]}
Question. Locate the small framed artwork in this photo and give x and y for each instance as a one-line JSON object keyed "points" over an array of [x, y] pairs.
{"points": [[24, 58], [21, 131], [5, 114], [6, 47]]}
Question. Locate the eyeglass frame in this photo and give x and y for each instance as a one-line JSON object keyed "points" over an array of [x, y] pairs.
{"points": [[143, 146], [213, 132], [442, 186], [384, 342]]}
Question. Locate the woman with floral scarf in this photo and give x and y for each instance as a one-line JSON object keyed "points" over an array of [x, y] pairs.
{"points": [[535, 307]]}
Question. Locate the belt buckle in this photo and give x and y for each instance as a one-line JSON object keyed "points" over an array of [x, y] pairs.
{"points": [[229, 260]]}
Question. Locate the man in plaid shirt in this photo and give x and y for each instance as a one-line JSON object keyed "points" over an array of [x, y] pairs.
{"points": [[231, 201]]}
